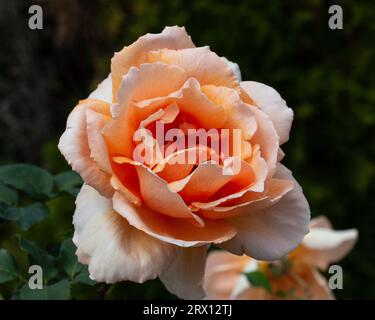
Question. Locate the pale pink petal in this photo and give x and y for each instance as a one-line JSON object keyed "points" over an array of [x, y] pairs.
{"points": [[184, 276], [271, 103], [223, 272], [103, 91], [135, 54], [172, 230], [234, 67], [271, 233], [320, 222], [326, 246], [74, 145], [114, 250]]}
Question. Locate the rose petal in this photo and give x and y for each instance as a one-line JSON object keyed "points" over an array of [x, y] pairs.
{"points": [[200, 63], [98, 148], [223, 271], [172, 230], [271, 233], [249, 202], [75, 147], [114, 250], [184, 276], [135, 54], [271, 103], [267, 138], [103, 91], [139, 84], [325, 246]]}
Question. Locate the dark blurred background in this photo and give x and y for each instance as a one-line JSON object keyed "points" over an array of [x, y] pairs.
{"points": [[326, 76]]}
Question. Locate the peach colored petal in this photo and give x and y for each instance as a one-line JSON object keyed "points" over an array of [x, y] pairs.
{"points": [[135, 54], [249, 202], [266, 137], [102, 235], [271, 233], [269, 101], [179, 164], [98, 148], [208, 178], [319, 287], [200, 63], [103, 91], [139, 84], [259, 174], [320, 222], [172, 230], [325, 246], [234, 67], [157, 196], [74, 145], [223, 271], [239, 115], [184, 276]]}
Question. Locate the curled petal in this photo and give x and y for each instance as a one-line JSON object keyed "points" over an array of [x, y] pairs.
{"points": [[103, 91], [324, 246], [135, 54], [74, 145], [102, 235], [271, 233], [270, 102], [172, 230], [267, 138], [200, 63]]}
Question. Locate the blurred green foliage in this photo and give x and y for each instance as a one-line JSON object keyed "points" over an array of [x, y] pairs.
{"points": [[326, 76]]}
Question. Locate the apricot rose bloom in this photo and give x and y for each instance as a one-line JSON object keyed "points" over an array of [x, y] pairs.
{"points": [[296, 276], [139, 220]]}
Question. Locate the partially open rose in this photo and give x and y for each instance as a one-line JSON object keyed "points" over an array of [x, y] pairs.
{"points": [[142, 214], [296, 276]]}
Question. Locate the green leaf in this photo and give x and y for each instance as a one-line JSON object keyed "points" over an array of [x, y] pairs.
{"points": [[8, 268], [58, 291], [76, 271], [8, 195], [258, 279], [27, 216], [40, 257], [28, 178], [69, 182]]}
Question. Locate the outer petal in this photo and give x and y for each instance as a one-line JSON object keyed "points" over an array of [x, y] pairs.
{"points": [[319, 287], [234, 67], [184, 276], [135, 54], [271, 233], [324, 246], [271, 103], [223, 272], [103, 91], [114, 250], [74, 145], [172, 230]]}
